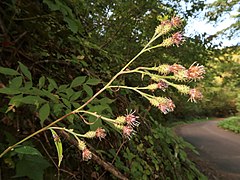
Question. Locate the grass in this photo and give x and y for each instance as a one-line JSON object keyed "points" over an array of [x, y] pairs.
{"points": [[231, 123]]}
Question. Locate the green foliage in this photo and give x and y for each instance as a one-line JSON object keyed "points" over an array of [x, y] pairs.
{"points": [[63, 52], [49, 98], [158, 155], [31, 166], [231, 123]]}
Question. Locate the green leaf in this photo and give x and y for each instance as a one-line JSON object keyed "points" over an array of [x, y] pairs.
{"points": [[31, 166], [25, 71], [78, 81], [66, 102], [27, 150], [34, 100], [9, 91], [8, 71], [72, 24], [28, 85], [52, 84], [16, 82], [88, 90], [69, 92], [62, 88], [44, 112], [57, 108], [93, 81], [75, 96], [41, 82], [58, 145]]}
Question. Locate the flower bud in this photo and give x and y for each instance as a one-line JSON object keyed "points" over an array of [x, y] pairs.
{"points": [[90, 134], [182, 88], [120, 120], [81, 145], [152, 86]]}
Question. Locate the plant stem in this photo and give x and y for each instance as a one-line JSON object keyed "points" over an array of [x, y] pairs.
{"points": [[86, 103], [98, 116]]}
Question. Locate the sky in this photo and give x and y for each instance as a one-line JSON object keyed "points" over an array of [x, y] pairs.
{"points": [[199, 25]]}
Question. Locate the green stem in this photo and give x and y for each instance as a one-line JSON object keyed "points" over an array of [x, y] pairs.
{"points": [[98, 116], [134, 89], [86, 103], [67, 130]]}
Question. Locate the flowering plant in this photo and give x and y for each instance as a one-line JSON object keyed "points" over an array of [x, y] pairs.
{"points": [[162, 76]]}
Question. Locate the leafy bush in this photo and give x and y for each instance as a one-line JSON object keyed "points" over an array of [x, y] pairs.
{"points": [[232, 124]]}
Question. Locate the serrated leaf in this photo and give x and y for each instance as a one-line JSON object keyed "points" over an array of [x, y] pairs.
{"points": [[8, 71], [25, 71], [93, 81], [41, 82], [9, 91], [44, 112], [78, 81], [88, 90], [16, 82], [27, 150], [58, 145]]}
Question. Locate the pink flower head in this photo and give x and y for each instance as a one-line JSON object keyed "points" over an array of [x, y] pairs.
{"points": [[128, 131], [177, 38], [195, 95], [86, 154], [176, 21], [131, 119], [175, 68], [196, 71], [100, 133], [162, 85], [167, 106], [166, 22]]}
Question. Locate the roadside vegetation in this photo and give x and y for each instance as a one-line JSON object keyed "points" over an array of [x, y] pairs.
{"points": [[231, 123], [88, 88]]}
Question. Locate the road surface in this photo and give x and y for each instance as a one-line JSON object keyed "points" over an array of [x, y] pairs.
{"points": [[216, 146]]}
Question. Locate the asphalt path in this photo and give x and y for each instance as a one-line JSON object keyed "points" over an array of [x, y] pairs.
{"points": [[215, 145]]}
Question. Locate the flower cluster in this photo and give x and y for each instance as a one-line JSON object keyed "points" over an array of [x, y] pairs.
{"points": [[166, 105], [195, 72], [162, 85], [86, 153], [195, 95], [167, 25], [126, 124], [99, 133]]}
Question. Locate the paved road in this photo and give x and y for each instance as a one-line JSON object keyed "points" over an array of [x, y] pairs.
{"points": [[215, 145]]}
